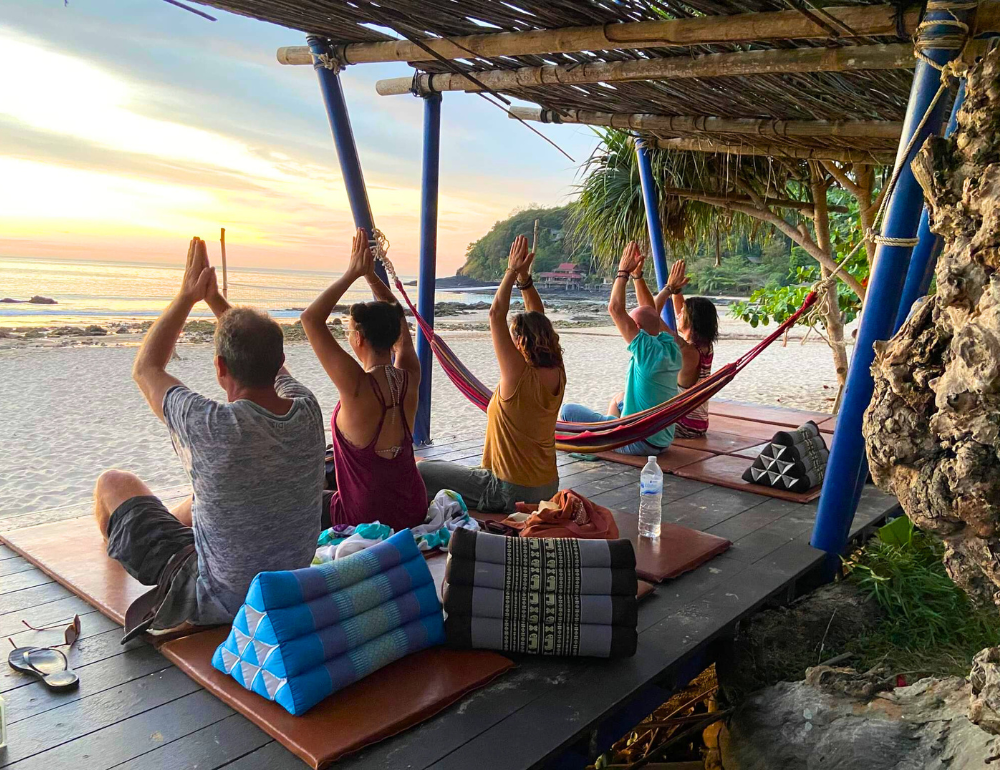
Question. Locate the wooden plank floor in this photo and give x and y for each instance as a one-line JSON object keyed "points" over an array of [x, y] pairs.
{"points": [[135, 710]]}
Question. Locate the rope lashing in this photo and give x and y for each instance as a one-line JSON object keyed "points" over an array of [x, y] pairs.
{"points": [[334, 57], [951, 70]]}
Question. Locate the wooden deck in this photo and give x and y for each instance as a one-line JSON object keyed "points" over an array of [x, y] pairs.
{"points": [[135, 710]]}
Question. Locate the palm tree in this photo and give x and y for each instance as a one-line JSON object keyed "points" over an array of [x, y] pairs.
{"points": [[697, 190]]}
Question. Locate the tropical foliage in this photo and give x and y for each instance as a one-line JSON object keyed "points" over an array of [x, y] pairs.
{"points": [[486, 259], [779, 299], [611, 212]]}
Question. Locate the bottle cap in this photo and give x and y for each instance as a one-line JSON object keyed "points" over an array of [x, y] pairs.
{"points": [[651, 458]]}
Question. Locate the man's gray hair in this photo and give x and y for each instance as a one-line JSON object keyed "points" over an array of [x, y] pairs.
{"points": [[251, 343]]}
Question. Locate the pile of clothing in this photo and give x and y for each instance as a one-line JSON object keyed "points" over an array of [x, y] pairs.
{"points": [[567, 514], [446, 513], [305, 634], [543, 596], [793, 460]]}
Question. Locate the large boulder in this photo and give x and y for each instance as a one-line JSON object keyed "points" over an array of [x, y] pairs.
{"points": [[831, 722], [932, 431]]}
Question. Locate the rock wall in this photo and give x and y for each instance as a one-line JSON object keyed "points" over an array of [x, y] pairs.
{"points": [[933, 426], [831, 721]]}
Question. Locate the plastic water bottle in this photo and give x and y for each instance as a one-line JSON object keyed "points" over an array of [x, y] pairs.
{"points": [[650, 495]]}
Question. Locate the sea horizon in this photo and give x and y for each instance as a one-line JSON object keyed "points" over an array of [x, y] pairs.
{"points": [[89, 291]]}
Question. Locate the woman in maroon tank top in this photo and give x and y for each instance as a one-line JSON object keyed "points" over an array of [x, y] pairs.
{"points": [[372, 424]]}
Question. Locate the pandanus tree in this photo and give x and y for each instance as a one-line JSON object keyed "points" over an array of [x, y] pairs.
{"points": [[730, 197]]}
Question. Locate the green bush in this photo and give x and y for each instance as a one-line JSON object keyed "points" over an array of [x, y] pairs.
{"points": [[930, 627]]}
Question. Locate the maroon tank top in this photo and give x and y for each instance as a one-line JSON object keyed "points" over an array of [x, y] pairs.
{"points": [[375, 488]]}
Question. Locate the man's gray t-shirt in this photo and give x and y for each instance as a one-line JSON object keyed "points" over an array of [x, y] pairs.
{"points": [[258, 488]]}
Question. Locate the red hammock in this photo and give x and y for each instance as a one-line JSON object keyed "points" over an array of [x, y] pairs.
{"points": [[603, 436]]}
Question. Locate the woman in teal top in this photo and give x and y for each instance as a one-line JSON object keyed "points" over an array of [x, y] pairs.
{"points": [[657, 355]]}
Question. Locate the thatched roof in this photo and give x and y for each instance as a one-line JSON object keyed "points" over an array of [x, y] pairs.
{"points": [[877, 94]]}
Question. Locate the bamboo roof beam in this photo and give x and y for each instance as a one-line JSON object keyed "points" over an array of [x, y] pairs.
{"points": [[846, 59], [868, 129], [877, 157], [804, 207], [861, 21]]}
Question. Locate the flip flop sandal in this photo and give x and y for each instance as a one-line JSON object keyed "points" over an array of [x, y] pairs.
{"points": [[46, 664]]}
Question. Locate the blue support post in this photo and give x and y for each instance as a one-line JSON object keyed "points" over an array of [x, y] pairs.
{"points": [[925, 253], [656, 248], [847, 467], [428, 260], [343, 138]]}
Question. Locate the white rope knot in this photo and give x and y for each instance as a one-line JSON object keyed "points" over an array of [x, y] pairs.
{"points": [[334, 57], [379, 245]]}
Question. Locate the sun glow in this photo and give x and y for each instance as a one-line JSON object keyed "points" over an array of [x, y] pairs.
{"points": [[127, 175]]}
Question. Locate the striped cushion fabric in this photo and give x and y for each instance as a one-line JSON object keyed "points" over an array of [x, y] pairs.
{"points": [[304, 634]]}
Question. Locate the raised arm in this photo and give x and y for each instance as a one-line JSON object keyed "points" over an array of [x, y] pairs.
{"points": [[673, 289], [526, 283], [340, 365], [642, 293], [150, 368], [404, 354], [616, 306], [512, 363]]}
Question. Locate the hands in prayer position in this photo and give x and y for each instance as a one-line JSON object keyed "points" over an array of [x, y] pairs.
{"points": [[520, 258], [677, 279], [632, 260]]}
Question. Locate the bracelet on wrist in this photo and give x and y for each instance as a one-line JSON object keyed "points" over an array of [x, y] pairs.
{"points": [[622, 274], [527, 283]]}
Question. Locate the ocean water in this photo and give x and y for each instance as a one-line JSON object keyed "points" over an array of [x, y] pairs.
{"points": [[98, 292]]}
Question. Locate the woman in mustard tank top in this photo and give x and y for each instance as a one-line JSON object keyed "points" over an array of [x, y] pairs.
{"points": [[519, 456]]}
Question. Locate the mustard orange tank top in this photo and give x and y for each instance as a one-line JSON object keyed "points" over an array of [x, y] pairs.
{"points": [[520, 443]]}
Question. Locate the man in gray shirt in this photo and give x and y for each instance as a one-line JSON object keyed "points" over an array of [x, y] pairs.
{"points": [[256, 465]]}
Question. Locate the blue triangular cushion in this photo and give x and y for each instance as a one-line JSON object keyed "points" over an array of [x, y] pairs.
{"points": [[336, 623]]}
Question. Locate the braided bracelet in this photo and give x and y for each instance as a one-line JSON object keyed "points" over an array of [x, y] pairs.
{"points": [[526, 284]]}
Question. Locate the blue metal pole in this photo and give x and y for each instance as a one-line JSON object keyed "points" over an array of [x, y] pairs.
{"points": [[925, 253], [343, 138], [659, 253], [428, 259], [847, 458]]}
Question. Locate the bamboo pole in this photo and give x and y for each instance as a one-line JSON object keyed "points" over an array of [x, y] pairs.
{"points": [[854, 21], [805, 207], [225, 274], [869, 129], [846, 59], [778, 151]]}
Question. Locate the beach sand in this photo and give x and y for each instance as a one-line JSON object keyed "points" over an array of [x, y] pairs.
{"points": [[71, 412]]}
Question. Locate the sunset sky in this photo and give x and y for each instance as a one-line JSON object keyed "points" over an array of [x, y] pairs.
{"points": [[127, 126]]}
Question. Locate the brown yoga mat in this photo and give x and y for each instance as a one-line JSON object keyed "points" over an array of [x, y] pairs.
{"points": [[781, 416], [73, 552], [675, 457], [391, 700], [727, 471], [679, 549], [718, 442], [751, 452]]}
